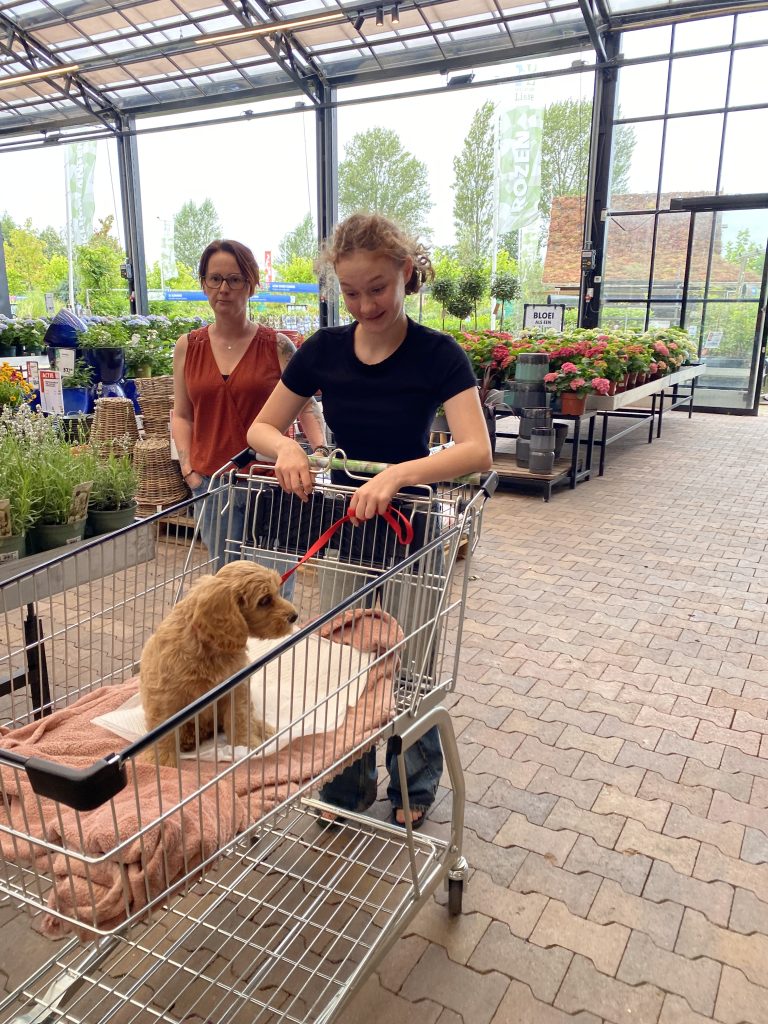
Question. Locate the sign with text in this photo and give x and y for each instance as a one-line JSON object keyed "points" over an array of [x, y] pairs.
{"points": [[51, 398], [544, 318], [33, 373], [520, 130]]}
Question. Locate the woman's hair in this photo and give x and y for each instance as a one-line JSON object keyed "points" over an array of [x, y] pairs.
{"points": [[375, 233], [249, 268]]}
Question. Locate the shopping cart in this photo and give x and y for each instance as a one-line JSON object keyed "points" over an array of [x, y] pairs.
{"points": [[215, 891]]}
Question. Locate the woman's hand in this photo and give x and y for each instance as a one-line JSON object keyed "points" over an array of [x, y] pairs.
{"points": [[193, 479], [292, 470], [373, 497]]}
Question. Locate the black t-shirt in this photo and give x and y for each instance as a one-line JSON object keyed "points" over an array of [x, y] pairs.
{"points": [[384, 412]]}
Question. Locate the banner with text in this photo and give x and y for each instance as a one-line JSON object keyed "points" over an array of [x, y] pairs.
{"points": [[80, 163], [168, 251], [519, 179]]}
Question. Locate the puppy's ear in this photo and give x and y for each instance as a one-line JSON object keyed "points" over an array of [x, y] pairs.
{"points": [[217, 618]]}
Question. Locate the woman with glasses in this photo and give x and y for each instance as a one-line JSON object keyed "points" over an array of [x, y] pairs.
{"points": [[223, 374]]}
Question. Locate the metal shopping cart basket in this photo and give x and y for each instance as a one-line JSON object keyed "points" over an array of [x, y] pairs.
{"points": [[211, 891]]}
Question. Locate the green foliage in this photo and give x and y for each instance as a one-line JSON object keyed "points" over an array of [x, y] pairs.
{"points": [[98, 272], [377, 174], [472, 285], [24, 259], [194, 227], [443, 290], [745, 252], [301, 243], [504, 287], [53, 243], [81, 376], [16, 474], [459, 305], [114, 478], [473, 171], [299, 270]]}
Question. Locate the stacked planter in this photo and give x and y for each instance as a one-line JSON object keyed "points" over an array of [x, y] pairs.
{"points": [[528, 391]]}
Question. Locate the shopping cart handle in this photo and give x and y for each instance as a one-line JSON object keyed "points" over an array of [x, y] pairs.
{"points": [[243, 458], [82, 789], [489, 483]]}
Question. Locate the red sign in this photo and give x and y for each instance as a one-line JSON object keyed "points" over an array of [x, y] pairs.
{"points": [[268, 267]]}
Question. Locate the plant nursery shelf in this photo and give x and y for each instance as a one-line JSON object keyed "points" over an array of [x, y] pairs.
{"points": [[509, 472]]}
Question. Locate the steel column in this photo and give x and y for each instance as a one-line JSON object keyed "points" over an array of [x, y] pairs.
{"points": [[327, 187], [5, 297], [598, 182], [133, 225]]}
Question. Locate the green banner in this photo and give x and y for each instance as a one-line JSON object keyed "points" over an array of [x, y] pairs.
{"points": [[80, 166], [519, 188]]}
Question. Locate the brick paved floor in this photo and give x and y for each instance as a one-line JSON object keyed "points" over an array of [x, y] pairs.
{"points": [[612, 715]]}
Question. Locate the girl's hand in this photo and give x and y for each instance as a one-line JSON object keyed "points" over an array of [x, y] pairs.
{"points": [[373, 497], [292, 471]]}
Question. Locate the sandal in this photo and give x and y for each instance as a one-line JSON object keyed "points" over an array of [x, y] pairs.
{"points": [[416, 823]]}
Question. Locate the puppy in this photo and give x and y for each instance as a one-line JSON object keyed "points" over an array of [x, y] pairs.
{"points": [[203, 642]]}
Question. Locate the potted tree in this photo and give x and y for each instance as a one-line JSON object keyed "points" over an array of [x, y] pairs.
{"points": [[112, 501]]}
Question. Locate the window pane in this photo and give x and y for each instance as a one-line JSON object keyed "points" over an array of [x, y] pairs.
{"points": [[642, 90], [692, 153], [694, 35], [635, 165], [748, 77], [664, 314], [751, 27], [624, 315], [627, 263], [702, 237], [743, 171], [646, 42], [669, 262], [698, 83]]}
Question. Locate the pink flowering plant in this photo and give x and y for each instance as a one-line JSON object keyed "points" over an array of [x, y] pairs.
{"points": [[577, 379], [491, 355]]}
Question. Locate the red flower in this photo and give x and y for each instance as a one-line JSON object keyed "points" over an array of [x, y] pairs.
{"points": [[577, 383], [570, 368]]}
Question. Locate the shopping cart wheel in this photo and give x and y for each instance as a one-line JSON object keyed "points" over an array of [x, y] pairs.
{"points": [[455, 894]]}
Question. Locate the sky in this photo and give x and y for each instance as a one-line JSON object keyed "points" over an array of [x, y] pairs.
{"points": [[260, 173]]}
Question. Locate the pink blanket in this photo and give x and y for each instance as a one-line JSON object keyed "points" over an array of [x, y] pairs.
{"points": [[147, 840]]}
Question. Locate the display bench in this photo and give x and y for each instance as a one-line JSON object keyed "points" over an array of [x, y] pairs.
{"points": [[573, 470], [673, 391]]}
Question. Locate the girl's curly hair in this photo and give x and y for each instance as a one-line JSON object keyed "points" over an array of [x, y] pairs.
{"points": [[375, 233]]}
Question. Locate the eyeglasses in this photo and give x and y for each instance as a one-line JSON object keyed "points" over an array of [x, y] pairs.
{"points": [[235, 281]]}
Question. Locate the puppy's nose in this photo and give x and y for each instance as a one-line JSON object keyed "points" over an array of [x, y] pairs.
{"points": [[293, 617]]}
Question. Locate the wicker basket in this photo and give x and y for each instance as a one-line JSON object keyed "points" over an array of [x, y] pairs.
{"points": [[160, 480], [114, 418], [156, 401]]}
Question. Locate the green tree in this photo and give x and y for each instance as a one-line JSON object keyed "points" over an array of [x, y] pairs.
{"points": [[745, 252], [443, 290], [97, 265], [378, 175], [301, 243], [565, 152], [473, 285], [460, 306], [473, 171], [24, 259], [300, 270], [53, 243], [504, 288], [7, 224], [193, 228]]}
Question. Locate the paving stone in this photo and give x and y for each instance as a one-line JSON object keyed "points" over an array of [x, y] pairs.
{"points": [[738, 1000], [739, 784], [520, 1006], [534, 806], [457, 935], [695, 980], [584, 988], [602, 943], [754, 849], [682, 726], [627, 779], [747, 742], [519, 911], [486, 822], [517, 773], [748, 913], [542, 969], [576, 890], [680, 853], [677, 1011], [480, 711], [644, 736], [708, 753], [725, 808], [507, 698], [502, 742], [630, 870], [696, 798], [400, 960], [719, 715], [474, 996], [727, 838], [581, 792], [652, 813], [500, 862], [712, 864], [374, 1002], [670, 765], [660, 921], [605, 748], [661, 701], [553, 845], [699, 937], [519, 722], [604, 828], [559, 712], [563, 761], [737, 761], [624, 708], [571, 697], [759, 794]]}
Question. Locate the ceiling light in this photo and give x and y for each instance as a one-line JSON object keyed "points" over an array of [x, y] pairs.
{"points": [[459, 80], [379, 15], [31, 76], [359, 22], [395, 17], [268, 30]]}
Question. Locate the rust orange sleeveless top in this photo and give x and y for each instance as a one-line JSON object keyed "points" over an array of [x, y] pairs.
{"points": [[224, 409]]}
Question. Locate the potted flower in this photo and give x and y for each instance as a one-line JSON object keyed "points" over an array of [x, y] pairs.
{"points": [[76, 389], [573, 383], [62, 479], [112, 501], [104, 346], [7, 345], [14, 390], [18, 503]]}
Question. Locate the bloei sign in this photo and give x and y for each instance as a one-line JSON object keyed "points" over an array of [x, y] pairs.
{"points": [[544, 318]]}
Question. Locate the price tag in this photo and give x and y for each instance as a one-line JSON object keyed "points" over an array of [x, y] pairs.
{"points": [[5, 517], [33, 373], [79, 508], [65, 361], [51, 398]]}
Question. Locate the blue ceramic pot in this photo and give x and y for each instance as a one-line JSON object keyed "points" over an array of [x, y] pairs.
{"points": [[108, 364], [77, 401]]}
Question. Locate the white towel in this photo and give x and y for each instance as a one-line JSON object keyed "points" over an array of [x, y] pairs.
{"points": [[308, 675]]}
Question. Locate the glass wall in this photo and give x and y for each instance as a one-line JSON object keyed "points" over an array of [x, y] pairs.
{"points": [[694, 117]]}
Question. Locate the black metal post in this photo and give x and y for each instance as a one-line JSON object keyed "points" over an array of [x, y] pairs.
{"points": [[327, 186], [133, 225], [598, 182], [5, 296]]}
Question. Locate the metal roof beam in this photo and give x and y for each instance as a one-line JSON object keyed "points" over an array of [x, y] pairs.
{"points": [[593, 29]]}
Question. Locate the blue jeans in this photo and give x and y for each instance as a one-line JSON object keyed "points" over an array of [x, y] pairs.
{"points": [[224, 531], [355, 788]]}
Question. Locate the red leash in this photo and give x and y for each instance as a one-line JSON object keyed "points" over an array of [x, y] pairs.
{"points": [[403, 531]]}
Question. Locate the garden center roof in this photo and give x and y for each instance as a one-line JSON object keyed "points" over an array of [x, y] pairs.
{"points": [[86, 62]]}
